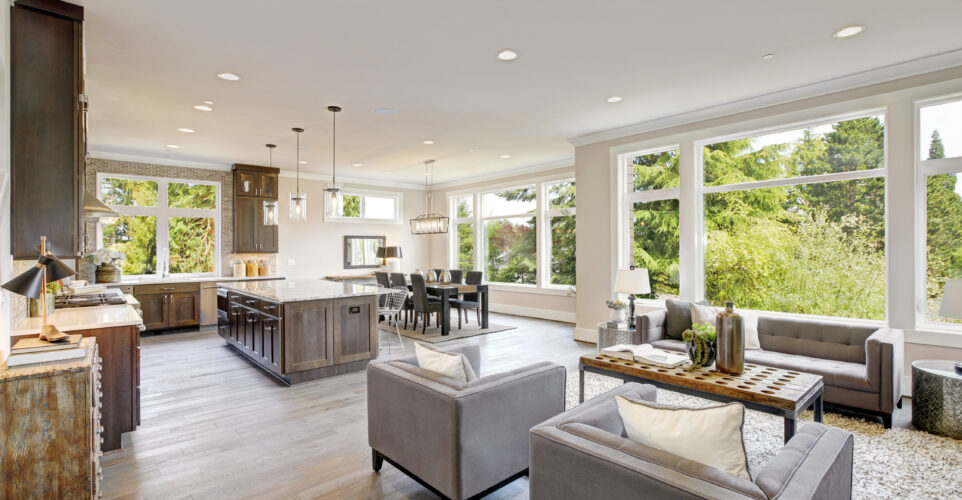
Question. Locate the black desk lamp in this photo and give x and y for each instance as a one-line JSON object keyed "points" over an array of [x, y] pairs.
{"points": [[32, 283]]}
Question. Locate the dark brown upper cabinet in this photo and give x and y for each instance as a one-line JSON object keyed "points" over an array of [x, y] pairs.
{"points": [[254, 185], [47, 127]]}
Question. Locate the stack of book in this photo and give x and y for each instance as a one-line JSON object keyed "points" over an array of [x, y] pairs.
{"points": [[34, 350]]}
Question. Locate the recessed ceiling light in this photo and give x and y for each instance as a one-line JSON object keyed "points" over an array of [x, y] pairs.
{"points": [[768, 57], [203, 107], [471, 150], [505, 157], [384, 111], [302, 162], [429, 142], [849, 31], [356, 165], [173, 146], [228, 76], [614, 98], [209, 103], [186, 130], [507, 55]]}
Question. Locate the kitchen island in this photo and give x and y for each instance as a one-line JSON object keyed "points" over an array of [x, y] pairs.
{"points": [[300, 330]]}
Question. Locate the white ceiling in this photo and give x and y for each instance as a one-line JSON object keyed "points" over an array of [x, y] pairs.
{"points": [[433, 61]]}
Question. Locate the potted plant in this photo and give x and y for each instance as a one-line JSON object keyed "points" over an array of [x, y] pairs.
{"points": [[616, 309], [36, 305], [108, 264], [700, 340]]}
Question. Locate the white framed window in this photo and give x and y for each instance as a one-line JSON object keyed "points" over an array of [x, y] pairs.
{"points": [[361, 205], [166, 226], [500, 232], [939, 223]]}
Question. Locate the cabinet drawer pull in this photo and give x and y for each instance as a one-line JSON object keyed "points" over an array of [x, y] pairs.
{"points": [[168, 288]]}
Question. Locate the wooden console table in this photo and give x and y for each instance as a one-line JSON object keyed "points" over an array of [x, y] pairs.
{"points": [[771, 390]]}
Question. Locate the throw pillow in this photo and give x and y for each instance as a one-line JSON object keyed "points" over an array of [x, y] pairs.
{"points": [[704, 314], [450, 364], [750, 327], [712, 436], [678, 318]]}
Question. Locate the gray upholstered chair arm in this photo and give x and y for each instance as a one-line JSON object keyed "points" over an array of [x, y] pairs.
{"points": [[816, 463], [885, 358], [651, 326]]}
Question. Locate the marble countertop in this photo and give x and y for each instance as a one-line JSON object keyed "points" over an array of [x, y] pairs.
{"points": [[82, 318], [204, 279], [299, 290]]}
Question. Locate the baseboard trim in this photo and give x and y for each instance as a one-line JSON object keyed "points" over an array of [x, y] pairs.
{"points": [[534, 312], [589, 335]]}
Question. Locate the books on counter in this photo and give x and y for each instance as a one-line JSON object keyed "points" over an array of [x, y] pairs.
{"points": [[645, 353], [618, 325], [33, 350]]}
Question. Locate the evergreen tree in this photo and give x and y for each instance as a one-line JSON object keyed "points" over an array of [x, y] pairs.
{"points": [[936, 149]]}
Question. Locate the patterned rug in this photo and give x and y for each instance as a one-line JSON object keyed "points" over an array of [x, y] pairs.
{"points": [[433, 333], [894, 463]]}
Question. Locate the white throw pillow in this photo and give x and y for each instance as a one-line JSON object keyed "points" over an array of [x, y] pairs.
{"points": [[750, 328], [712, 436], [450, 364], [704, 314]]}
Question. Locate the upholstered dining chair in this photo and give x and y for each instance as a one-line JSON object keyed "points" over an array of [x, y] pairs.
{"points": [[384, 281], [456, 275], [422, 305], [398, 281], [469, 300]]}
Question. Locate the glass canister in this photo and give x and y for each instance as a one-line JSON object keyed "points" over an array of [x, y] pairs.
{"points": [[240, 270], [445, 276], [263, 268], [252, 267], [431, 277], [730, 341]]}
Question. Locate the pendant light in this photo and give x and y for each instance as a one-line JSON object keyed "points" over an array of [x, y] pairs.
{"points": [[298, 199], [429, 223], [270, 207], [332, 191]]}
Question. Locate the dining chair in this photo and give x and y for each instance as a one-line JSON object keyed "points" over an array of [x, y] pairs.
{"points": [[398, 281], [455, 276], [393, 303], [384, 281], [421, 303], [469, 300]]}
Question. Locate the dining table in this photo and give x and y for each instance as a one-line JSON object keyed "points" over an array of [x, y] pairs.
{"points": [[448, 291]]}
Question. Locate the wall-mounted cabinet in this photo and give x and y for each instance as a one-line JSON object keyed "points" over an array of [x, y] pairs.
{"points": [[253, 186]]}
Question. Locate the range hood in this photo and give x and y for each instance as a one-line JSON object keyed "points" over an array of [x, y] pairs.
{"points": [[95, 209]]}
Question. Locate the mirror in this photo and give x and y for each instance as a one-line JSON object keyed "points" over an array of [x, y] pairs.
{"points": [[361, 251]]}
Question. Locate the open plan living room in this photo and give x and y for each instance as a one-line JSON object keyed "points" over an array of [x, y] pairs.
{"points": [[429, 249]]}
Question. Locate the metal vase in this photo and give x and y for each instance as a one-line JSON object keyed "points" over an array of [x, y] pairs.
{"points": [[730, 336]]}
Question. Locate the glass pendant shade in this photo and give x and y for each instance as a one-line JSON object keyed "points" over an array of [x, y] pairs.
{"points": [[429, 224], [298, 207], [335, 200], [270, 213]]}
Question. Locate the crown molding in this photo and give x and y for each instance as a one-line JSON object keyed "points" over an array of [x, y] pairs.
{"points": [[502, 174], [155, 160], [914, 67]]}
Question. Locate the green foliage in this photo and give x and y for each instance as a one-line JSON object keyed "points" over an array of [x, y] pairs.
{"points": [[703, 337], [617, 305], [465, 244], [192, 244], [352, 205], [53, 287], [184, 195], [135, 236], [944, 231], [128, 192], [655, 227], [512, 253], [936, 148]]}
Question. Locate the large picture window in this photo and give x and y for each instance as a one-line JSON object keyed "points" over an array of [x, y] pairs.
{"points": [[795, 221], [560, 214], [162, 224], [510, 229], [652, 208]]}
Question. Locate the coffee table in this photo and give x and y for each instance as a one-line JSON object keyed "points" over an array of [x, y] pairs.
{"points": [[771, 390]]}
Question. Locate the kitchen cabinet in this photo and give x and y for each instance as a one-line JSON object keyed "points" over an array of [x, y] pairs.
{"points": [[254, 331], [163, 306], [250, 233], [47, 127], [255, 181]]}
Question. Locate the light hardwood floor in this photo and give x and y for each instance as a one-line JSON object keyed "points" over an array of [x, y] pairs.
{"points": [[214, 426]]}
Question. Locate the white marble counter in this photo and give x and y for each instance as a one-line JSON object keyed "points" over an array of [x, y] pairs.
{"points": [[82, 318], [203, 279], [300, 290]]}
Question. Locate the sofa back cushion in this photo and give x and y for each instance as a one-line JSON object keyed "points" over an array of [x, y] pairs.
{"points": [[814, 338], [678, 318]]}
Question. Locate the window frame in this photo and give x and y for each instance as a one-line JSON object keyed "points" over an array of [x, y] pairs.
{"points": [[924, 169], [163, 212], [454, 257], [363, 194]]}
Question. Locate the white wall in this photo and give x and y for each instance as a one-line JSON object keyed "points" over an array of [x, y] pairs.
{"points": [[595, 165], [6, 259], [317, 247]]}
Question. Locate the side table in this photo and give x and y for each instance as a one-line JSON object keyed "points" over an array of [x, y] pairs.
{"points": [[608, 337], [937, 397]]}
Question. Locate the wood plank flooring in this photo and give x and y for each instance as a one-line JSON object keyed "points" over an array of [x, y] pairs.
{"points": [[214, 426]]}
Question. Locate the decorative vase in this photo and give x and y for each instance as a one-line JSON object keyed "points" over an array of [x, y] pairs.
{"points": [[431, 277], [445, 276], [36, 306], [616, 314], [730, 338], [108, 273], [701, 353]]}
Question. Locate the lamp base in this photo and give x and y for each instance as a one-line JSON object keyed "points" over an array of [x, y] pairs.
{"points": [[50, 333]]}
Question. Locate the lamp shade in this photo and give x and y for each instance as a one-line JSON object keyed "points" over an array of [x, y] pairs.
{"points": [[952, 299], [632, 281], [392, 252], [29, 283], [56, 269], [380, 252]]}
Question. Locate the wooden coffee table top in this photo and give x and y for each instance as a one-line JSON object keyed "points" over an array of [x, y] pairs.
{"points": [[758, 384]]}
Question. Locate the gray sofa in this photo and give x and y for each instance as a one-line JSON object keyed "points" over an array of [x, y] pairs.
{"points": [[861, 366], [459, 440], [583, 453]]}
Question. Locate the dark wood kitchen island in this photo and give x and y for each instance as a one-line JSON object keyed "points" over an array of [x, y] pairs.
{"points": [[300, 330]]}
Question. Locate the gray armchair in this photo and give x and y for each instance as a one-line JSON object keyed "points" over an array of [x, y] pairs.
{"points": [[583, 453], [458, 439]]}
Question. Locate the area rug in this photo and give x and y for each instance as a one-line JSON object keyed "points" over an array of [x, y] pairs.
{"points": [[893, 463], [433, 334]]}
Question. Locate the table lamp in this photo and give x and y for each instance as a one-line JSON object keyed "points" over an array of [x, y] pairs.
{"points": [[32, 283], [392, 258], [632, 281], [952, 305]]}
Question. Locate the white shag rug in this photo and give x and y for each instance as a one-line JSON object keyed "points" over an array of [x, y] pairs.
{"points": [[894, 463]]}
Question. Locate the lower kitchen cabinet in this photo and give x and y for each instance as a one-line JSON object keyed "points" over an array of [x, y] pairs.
{"points": [[169, 306]]}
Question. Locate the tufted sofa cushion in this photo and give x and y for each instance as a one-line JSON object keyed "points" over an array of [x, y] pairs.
{"points": [[815, 338]]}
